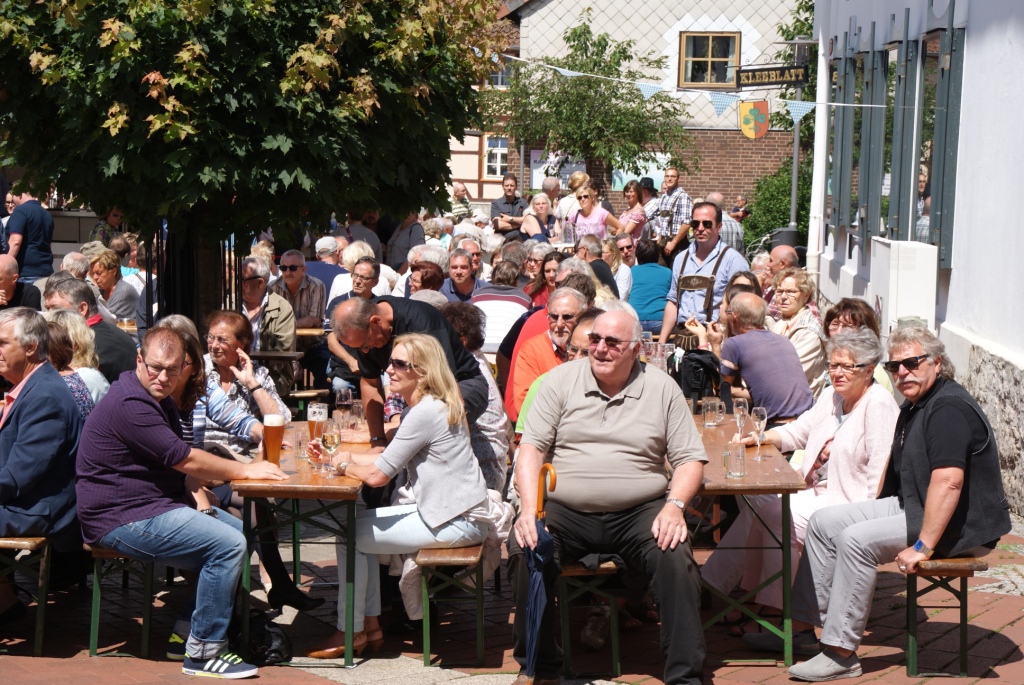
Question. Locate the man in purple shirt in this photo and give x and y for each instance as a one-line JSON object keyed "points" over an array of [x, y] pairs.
{"points": [[767, 361], [131, 492]]}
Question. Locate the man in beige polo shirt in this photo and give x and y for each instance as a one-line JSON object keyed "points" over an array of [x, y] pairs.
{"points": [[608, 426]]}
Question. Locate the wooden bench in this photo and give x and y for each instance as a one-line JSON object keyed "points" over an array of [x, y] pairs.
{"points": [[577, 580], [107, 562], [939, 573], [470, 579], [303, 397], [33, 565]]}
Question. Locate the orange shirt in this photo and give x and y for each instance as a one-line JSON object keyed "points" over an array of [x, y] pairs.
{"points": [[536, 358]]}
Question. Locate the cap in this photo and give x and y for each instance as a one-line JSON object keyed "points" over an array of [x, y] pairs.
{"points": [[480, 216], [326, 246], [647, 182], [92, 248]]}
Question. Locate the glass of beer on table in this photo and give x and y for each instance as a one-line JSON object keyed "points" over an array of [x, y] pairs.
{"points": [[273, 434]]}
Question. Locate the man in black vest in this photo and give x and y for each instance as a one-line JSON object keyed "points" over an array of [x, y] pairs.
{"points": [[942, 494]]}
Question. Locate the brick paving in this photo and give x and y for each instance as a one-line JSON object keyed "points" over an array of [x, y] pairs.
{"points": [[996, 631]]}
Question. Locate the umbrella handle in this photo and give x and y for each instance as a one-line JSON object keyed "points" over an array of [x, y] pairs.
{"points": [[545, 471]]}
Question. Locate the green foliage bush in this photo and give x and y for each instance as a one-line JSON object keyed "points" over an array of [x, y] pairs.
{"points": [[769, 205]]}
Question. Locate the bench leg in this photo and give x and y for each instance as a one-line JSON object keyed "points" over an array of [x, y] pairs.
{"points": [[911, 626], [563, 614], [963, 626], [480, 613], [94, 620], [147, 606], [425, 584], [44, 588]]}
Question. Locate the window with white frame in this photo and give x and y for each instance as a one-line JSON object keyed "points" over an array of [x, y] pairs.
{"points": [[500, 78], [496, 157], [708, 60]]}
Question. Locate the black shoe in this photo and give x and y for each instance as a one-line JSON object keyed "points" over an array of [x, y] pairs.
{"points": [[15, 612], [404, 626], [291, 596]]}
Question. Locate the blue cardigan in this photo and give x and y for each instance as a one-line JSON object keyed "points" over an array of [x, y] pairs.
{"points": [[38, 447]]}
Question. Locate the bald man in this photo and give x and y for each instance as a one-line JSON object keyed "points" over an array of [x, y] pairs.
{"points": [[14, 293]]}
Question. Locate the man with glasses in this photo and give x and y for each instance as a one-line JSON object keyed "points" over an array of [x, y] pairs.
{"points": [[627, 248], [542, 353], [767, 362], [480, 269], [608, 426], [370, 326], [308, 299], [39, 431], [131, 467], [272, 320], [942, 494], [699, 275]]}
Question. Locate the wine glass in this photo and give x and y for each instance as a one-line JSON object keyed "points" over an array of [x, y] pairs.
{"points": [[759, 415], [331, 442], [740, 409]]}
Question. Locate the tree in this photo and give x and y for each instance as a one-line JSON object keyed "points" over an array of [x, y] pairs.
{"points": [[241, 114], [589, 118], [801, 25], [769, 205]]}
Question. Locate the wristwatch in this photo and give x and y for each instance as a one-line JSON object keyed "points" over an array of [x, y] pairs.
{"points": [[678, 502], [924, 549], [209, 512]]}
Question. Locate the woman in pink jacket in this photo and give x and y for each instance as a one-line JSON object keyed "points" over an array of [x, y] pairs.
{"points": [[846, 437]]}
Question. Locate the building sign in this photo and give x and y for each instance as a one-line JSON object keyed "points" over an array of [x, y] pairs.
{"points": [[754, 118], [771, 76]]}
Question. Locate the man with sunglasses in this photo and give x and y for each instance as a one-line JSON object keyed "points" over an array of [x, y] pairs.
{"points": [[308, 298], [942, 494], [542, 353], [131, 466], [627, 248], [700, 274], [608, 426]]}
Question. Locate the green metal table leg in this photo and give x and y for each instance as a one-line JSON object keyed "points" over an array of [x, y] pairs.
{"points": [[147, 605], [44, 588], [480, 613], [425, 583], [787, 581], [296, 544], [350, 579], [963, 626], [616, 663], [563, 612], [246, 573], [911, 625], [94, 619]]}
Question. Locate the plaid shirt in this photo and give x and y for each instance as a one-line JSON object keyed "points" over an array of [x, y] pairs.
{"points": [[681, 206], [732, 233], [309, 300], [394, 405]]}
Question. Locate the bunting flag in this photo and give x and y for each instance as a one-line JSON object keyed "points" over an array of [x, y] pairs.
{"points": [[798, 109], [648, 90], [566, 72], [722, 101]]}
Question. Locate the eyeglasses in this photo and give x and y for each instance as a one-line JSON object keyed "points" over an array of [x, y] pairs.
{"points": [[9, 202], [910, 363], [787, 293], [291, 267], [706, 223], [612, 342], [839, 323], [531, 260], [210, 339], [568, 318], [401, 364], [626, 248], [845, 368], [577, 351], [171, 372], [583, 197], [357, 277]]}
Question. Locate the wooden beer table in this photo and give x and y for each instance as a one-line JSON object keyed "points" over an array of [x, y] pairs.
{"points": [[284, 497], [773, 475]]}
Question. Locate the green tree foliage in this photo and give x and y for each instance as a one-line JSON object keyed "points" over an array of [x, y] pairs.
{"points": [[242, 113], [769, 205], [590, 118], [801, 24]]}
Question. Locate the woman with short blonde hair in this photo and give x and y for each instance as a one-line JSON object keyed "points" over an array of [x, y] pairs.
{"points": [[84, 360]]}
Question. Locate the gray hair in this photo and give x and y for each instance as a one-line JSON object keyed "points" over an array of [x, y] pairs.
{"points": [[577, 266], [468, 239], [637, 330], [435, 254], [515, 253], [621, 306], [75, 263], [541, 250], [580, 298], [592, 244], [74, 290], [357, 320], [549, 183], [260, 267], [760, 262], [432, 228], [861, 343], [29, 329], [295, 253], [908, 334]]}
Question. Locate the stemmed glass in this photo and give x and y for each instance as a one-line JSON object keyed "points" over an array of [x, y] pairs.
{"points": [[331, 441], [759, 415], [740, 411]]}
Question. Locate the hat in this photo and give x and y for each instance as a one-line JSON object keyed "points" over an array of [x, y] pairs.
{"points": [[647, 182], [480, 216], [92, 248], [326, 246]]}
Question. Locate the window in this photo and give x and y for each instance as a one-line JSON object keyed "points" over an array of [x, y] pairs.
{"points": [[499, 79], [496, 159], [708, 59]]}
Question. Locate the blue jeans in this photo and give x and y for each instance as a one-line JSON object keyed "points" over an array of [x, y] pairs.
{"points": [[213, 547], [651, 326]]}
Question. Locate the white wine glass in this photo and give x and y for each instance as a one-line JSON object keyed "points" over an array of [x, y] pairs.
{"points": [[331, 442], [740, 409], [759, 415]]}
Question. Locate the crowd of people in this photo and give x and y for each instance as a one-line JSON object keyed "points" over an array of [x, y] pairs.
{"points": [[480, 350]]}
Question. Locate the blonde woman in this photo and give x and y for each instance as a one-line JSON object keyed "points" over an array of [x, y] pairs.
{"points": [[612, 255], [591, 218], [84, 361], [432, 444], [115, 293], [265, 250], [794, 289], [569, 205]]}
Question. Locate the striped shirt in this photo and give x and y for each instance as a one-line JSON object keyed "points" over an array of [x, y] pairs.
{"points": [[309, 300], [680, 206]]}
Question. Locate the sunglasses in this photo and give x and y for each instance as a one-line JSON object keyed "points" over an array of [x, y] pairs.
{"points": [[706, 223], [583, 197], [568, 318], [612, 342], [290, 267], [401, 364], [910, 363]]}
